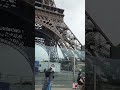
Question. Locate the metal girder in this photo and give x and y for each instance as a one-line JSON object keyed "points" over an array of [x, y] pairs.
{"points": [[48, 40], [52, 18], [47, 2], [14, 38], [13, 32], [97, 43], [8, 3]]}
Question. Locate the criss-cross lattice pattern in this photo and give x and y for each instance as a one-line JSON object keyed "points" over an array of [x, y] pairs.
{"points": [[97, 44], [50, 17]]}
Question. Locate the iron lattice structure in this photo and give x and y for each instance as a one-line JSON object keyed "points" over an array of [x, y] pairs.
{"points": [[13, 32], [99, 65], [50, 26], [97, 43]]}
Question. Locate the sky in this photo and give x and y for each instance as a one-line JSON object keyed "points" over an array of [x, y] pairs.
{"points": [[74, 11]]}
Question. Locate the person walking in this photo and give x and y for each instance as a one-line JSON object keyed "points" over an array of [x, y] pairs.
{"points": [[81, 81], [49, 76]]}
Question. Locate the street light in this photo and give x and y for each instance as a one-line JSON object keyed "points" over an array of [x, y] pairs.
{"points": [[74, 67]]}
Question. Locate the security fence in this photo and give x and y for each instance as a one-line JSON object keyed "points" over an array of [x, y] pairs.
{"points": [[102, 73]]}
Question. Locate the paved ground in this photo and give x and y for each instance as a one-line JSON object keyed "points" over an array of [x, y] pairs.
{"points": [[56, 89], [62, 79], [39, 88]]}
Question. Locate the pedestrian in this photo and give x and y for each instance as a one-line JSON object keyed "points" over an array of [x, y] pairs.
{"points": [[82, 86], [49, 76], [81, 81]]}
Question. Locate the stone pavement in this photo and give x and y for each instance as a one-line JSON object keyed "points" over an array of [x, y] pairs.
{"points": [[57, 88]]}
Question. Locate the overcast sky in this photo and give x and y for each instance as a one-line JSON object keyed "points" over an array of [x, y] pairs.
{"points": [[74, 16], [74, 11]]}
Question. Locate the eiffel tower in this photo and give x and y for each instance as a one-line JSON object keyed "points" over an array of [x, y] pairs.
{"points": [[97, 52], [51, 30], [15, 15], [97, 43]]}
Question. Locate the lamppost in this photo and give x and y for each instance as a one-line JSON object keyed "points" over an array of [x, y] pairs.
{"points": [[74, 67], [49, 60]]}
